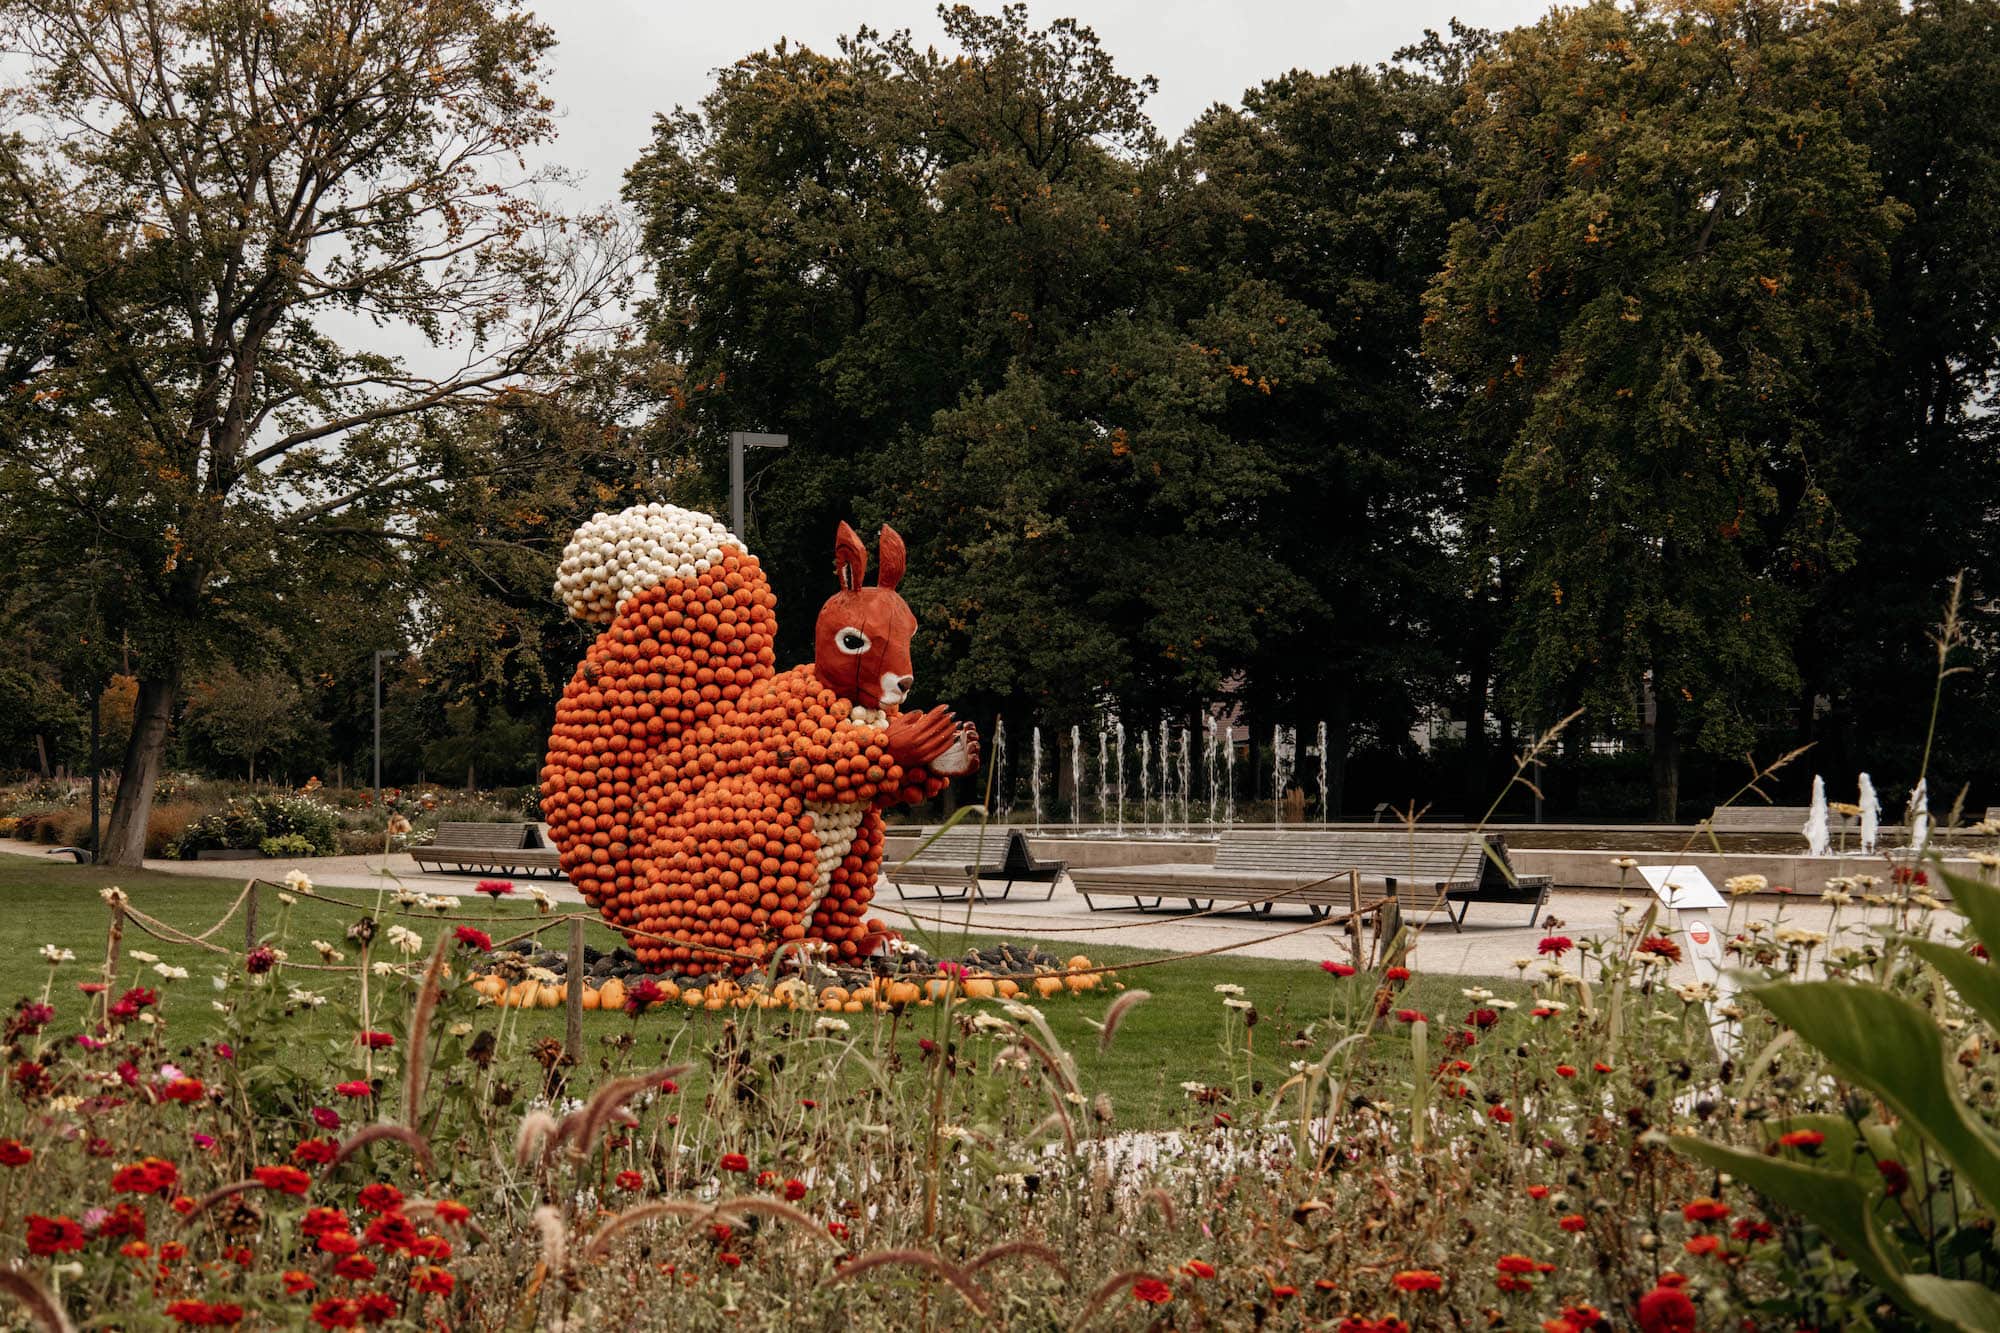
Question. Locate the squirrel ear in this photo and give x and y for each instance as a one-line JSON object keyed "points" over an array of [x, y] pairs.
{"points": [[891, 558], [850, 557]]}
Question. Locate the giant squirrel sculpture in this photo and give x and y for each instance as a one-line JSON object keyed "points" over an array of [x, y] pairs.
{"points": [[708, 806]]}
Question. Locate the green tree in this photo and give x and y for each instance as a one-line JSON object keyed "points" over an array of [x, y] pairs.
{"points": [[241, 715], [1678, 224], [197, 205]]}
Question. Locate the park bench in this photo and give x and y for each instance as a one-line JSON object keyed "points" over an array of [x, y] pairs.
{"points": [[1311, 869], [1759, 819], [965, 858], [516, 849]]}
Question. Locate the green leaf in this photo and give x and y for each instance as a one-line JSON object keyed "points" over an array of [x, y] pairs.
{"points": [[1892, 1048], [1836, 1203], [1977, 983], [1979, 901], [1956, 1304]]}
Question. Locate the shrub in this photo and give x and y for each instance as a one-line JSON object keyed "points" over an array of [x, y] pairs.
{"points": [[235, 827], [288, 845]]}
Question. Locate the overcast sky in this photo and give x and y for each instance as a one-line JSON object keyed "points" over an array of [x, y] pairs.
{"points": [[621, 61]]}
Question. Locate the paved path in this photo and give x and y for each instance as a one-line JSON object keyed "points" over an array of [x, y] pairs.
{"points": [[1492, 939]]}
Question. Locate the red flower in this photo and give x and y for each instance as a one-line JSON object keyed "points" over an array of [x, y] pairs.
{"points": [[1283, 1293], [494, 888], [1152, 1291], [432, 1281], [315, 1152], [729, 1259], [1500, 1115], [150, 1176], [450, 1210], [173, 1252], [184, 1090], [336, 1313], [1807, 1139], [1574, 1222], [326, 1117], [353, 1088], [1397, 974], [1702, 1244], [630, 1180], [1895, 1177], [126, 1219], [323, 1221], [1336, 969], [1482, 1018], [1410, 1016], [473, 938], [1196, 1268], [1514, 1263], [1600, 1066], [357, 1266], [337, 1242], [15, 1153], [1565, 1071], [1744, 1228], [734, 1161], [1555, 944], [837, 1230], [644, 995], [377, 1307], [391, 1231], [1705, 1210], [200, 1314], [1538, 1191], [379, 1198], [1661, 946], [53, 1235], [377, 1041], [183, 1204], [283, 1179], [795, 1190], [136, 1249], [1417, 1279], [1666, 1310], [297, 1283]]}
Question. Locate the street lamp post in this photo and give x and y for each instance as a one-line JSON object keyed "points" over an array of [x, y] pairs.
{"points": [[380, 653], [739, 440]]}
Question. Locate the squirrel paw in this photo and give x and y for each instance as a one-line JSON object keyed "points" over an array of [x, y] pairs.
{"points": [[962, 756]]}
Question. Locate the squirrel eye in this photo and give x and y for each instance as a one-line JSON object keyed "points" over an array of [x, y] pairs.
{"points": [[851, 641]]}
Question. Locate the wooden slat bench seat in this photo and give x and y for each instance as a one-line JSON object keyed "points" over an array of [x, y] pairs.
{"points": [[1759, 819], [516, 849], [966, 859], [1264, 870]]}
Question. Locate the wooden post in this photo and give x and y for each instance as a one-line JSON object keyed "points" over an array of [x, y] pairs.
{"points": [[1354, 916], [573, 998], [250, 917], [111, 942]]}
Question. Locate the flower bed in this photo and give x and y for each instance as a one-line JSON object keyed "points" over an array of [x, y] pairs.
{"points": [[381, 1144]]}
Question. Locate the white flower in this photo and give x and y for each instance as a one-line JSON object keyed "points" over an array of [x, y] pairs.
{"points": [[407, 897], [990, 1023], [440, 904], [288, 900], [1502, 1005], [384, 969], [307, 998], [299, 881], [406, 940], [1234, 1003], [543, 903], [830, 1025], [1698, 993], [218, 981], [1020, 1011], [1625, 863], [1228, 988], [1476, 993], [218, 1006], [1074, 1098], [142, 956], [459, 1029], [327, 953], [1191, 1088], [1011, 1178], [1742, 885], [56, 955], [1300, 1066], [170, 972], [1812, 939]]}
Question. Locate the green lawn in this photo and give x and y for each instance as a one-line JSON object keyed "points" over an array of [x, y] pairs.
{"points": [[1182, 1033]]}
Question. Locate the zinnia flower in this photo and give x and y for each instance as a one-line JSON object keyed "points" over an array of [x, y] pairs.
{"points": [[1417, 1279], [1336, 969], [494, 888], [283, 1179], [734, 1161], [473, 938], [1152, 1291], [1557, 945], [1666, 1309]]}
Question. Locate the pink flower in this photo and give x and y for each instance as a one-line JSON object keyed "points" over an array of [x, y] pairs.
{"points": [[376, 1041], [353, 1088], [326, 1117]]}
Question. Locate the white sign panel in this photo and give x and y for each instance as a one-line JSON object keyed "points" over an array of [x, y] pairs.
{"points": [[1681, 887]]}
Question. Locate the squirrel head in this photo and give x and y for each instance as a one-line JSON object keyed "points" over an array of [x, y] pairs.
{"points": [[861, 645]]}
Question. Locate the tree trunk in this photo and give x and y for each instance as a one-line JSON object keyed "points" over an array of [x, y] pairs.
{"points": [[1478, 791], [125, 836], [1666, 755], [1337, 727], [253, 768]]}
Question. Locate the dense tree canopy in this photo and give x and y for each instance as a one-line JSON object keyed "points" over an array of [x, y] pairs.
{"points": [[1639, 360]]}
